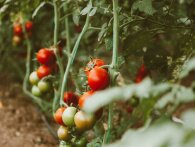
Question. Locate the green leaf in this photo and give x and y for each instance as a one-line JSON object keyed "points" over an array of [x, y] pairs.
{"points": [[189, 66], [188, 118], [159, 135], [93, 11], [102, 32], [87, 9], [143, 6], [76, 17], [109, 44], [38, 8], [100, 99], [179, 94]]}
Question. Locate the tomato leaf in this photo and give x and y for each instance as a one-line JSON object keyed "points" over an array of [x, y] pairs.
{"points": [[100, 99], [166, 134], [189, 66], [143, 6], [87, 9]]}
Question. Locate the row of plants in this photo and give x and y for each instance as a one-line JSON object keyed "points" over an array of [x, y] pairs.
{"points": [[108, 72]]}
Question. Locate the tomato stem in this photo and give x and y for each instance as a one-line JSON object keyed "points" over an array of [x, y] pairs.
{"points": [[72, 57], [56, 26], [59, 59], [67, 33], [114, 66]]}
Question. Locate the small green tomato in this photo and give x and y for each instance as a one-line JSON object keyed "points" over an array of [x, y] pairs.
{"points": [[68, 116], [33, 78], [36, 91], [44, 86]]}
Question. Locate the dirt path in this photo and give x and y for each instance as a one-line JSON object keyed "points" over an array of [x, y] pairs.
{"points": [[20, 122]]}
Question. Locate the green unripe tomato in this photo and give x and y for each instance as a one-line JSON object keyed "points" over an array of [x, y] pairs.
{"points": [[33, 78], [44, 86], [63, 133], [36, 91], [81, 142], [68, 116]]}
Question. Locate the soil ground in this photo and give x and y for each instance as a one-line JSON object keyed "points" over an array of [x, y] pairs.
{"points": [[20, 121]]}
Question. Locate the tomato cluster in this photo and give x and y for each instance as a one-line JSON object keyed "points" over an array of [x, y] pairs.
{"points": [[18, 31], [73, 121], [47, 59], [39, 87], [41, 84]]}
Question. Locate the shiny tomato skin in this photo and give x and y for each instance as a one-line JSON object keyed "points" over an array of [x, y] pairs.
{"points": [[70, 98], [18, 30], [33, 78], [44, 86], [141, 73], [98, 79], [63, 133], [68, 116], [36, 91], [28, 26], [58, 115], [46, 56], [83, 121], [43, 71], [85, 96], [93, 63]]}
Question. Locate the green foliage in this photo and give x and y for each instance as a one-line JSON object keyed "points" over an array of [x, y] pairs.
{"points": [[158, 34]]}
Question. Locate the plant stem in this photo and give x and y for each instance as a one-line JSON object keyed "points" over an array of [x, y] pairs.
{"points": [[114, 66], [115, 34], [59, 60], [67, 35], [55, 39], [72, 57], [56, 15]]}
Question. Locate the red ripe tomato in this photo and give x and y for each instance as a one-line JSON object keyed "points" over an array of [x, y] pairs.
{"points": [[28, 26], [84, 97], [46, 56], [93, 63], [18, 30], [141, 74], [43, 71], [98, 78], [71, 98], [58, 115]]}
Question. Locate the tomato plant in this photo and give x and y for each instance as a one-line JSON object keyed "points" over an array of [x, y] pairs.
{"points": [[141, 54]]}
